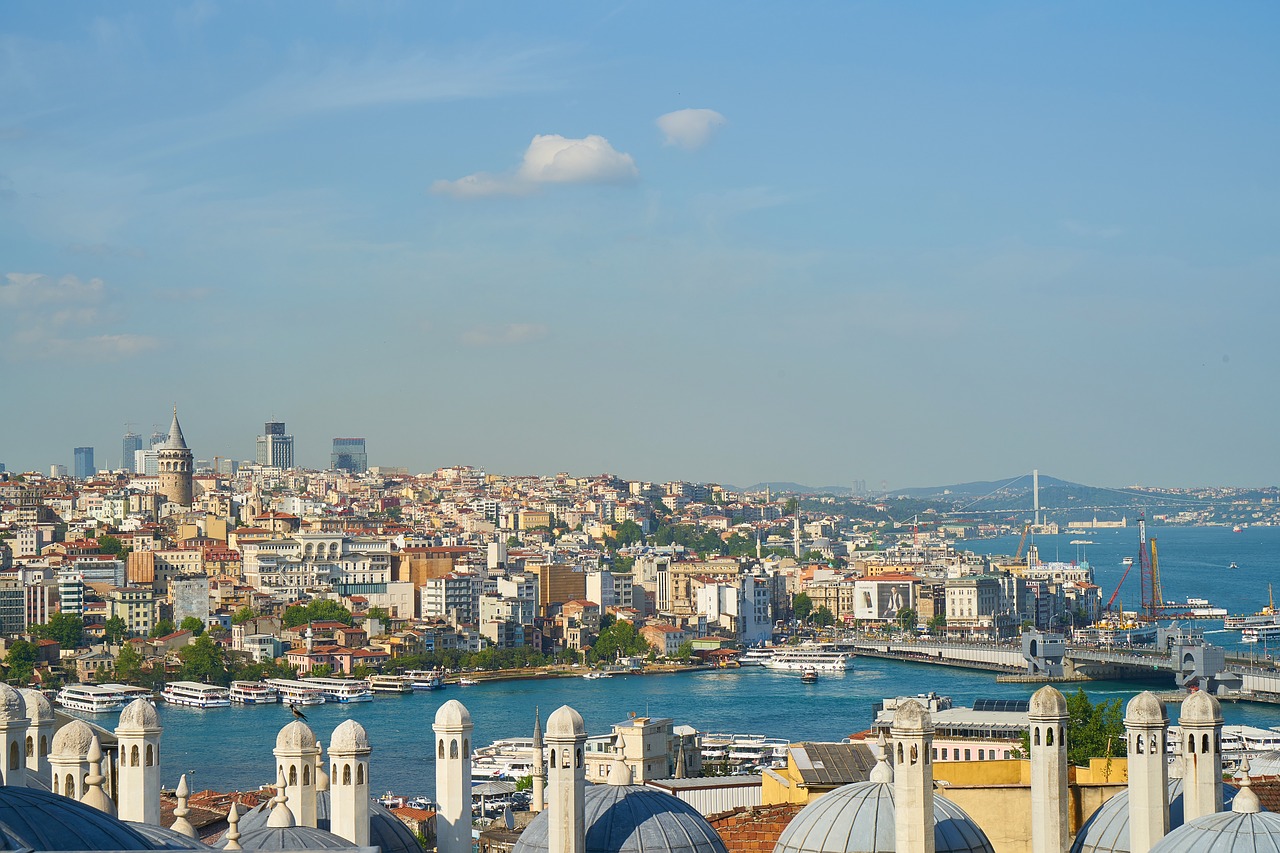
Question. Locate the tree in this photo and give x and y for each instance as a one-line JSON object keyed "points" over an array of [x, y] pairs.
{"points": [[628, 533], [907, 619], [1093, 730], [21, 661], [802, 605], [823, 617], [114, 630], [163, 628], [790, 507], [110, 545], [321, 671], [937, 624], [379, 613], [204, 660], [192, 624], [66, 629], [128, 665], [244, 614], [317, 610], [685, 651]]}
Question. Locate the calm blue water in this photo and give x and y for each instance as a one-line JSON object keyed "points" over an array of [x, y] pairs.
{"points": [[230, 748]]}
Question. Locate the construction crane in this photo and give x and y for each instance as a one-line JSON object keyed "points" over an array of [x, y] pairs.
{"points": [[1026, 528]]}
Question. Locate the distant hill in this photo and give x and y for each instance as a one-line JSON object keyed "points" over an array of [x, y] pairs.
{"points": [[980, 488], [795, 489]]}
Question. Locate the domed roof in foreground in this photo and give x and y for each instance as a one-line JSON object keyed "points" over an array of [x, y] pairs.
{"points": [[1107, 830], [349, 736], [859, 818], [72, 739], [1245, 828], [11, 705], [632, 819], [38, 707], [385, 829], [292, 838], [296, 736], [40, 820], [165, 838], [139, 714]]}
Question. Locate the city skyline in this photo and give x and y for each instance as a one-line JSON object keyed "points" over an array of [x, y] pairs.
{"points": [[844, 242]]}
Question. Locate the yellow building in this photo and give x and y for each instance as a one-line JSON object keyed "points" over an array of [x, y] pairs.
{"points": [[814, 769]]}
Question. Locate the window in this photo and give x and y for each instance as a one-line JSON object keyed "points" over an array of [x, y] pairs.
{"points": [[966, 755], [359, 774], [134, 758], [982, 755]]}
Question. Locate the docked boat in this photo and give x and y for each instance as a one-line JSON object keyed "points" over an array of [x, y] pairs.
{"points": [[1195, 608], [467, 682], [341, 690], [809, 676], [592, 676], [390, 684], [734, 751], [1267, 616], [295, 692], [508, 758], [90, 698], [254, 693], [756, 656], [425, 679], [1260, 634], [822, 657], [193, 694], [1119, 631]]}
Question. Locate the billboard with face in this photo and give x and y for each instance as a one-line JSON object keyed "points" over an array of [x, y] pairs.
{"points": [[881, 600]]}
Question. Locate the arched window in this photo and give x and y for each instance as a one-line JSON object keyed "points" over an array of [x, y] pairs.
{"points": [[293, 775], [346, 774], [150, 757], [14, 758], [466, 746], [453, 748], [577, 758], [69, 788], [1204, 743], [1048, 736], [915, 755], [134, 758], [900, 754], [553, 758], [440, 749], [1154, 749], [359, 774], [1062, 735], [1138, 742], [31, 746], [1191, 744], [44, 745], [306, 774], [1037, 736]]}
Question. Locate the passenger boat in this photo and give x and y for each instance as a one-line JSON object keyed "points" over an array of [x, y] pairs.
{"points": [[390, 684], [89, 698], [128, 692], [425, 679], [744, 751], [254, 693], [756, 656], [342, 690], [592, 676], [809, 676], [508, 758], [1119, 631], [822, 657], [294, 692], [1260, 633], [193, 694], [467, 682], [1265, 617]]}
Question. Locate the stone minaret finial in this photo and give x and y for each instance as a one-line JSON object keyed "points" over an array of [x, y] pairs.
{"points": [[567, 781], [539, 799], [882, 772], [1146, 729], [1246, 801], [180, 812], [14, 728], [1050, 818], [453, 728], [281, 816], [1200, 729], [912, 731], [95, 794], [620, 773], [233, 827], [322, 778], [680, 768]]}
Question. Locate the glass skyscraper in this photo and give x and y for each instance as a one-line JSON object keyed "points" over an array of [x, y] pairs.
{"points": [[349, 455], [131, 444], [84, 467]]}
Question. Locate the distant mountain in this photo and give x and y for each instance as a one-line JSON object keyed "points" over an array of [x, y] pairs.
{"points": [[981, 488]]}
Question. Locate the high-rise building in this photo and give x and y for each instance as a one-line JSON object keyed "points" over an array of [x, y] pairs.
{"points": [[275, 448], [146, 462], [84, 467], [175, 460], [132, 444], [349, 455], [157, 438]]}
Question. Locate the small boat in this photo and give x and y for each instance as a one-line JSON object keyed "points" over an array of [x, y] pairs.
{"points": [[592, 676], [425, 679], [809, 676], [467, 682], [1127, 561], [1237, 529], [1233, 566]]}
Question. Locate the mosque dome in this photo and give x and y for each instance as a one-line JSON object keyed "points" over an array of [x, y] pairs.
{"points": [[40, 820], [164, 838], [38, 708], [11, 705], [1107, 830], [139, 714], [1146, 709], [292, 838], [631, 819], [385, 829], [1244, 827], [453, 714], [1048, 701], [565, 722], [73, 739], [349, 736], [296, 736], [859, 818]]}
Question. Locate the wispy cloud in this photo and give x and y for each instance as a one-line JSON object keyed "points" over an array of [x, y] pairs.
{"points": [[549, 159], [690, 129], [44, 317], [512, 334]]}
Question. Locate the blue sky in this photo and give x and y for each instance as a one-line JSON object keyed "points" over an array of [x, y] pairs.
{"points": [[912, 243]]}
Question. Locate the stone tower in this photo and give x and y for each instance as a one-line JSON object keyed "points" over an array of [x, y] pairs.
{"points": [[138, 765], [349, 783], [295, 753], [912, 733], [69, 759], [1050, 830], [175, 461], [40, 734], [13, 737], [539, 799], [453, 729], [567, 780], [1146, 727], [1200, 727]]}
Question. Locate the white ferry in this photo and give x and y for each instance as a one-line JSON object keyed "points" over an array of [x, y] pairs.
{"points": [[342, 690], [508, 758], [756, 656], [193, 694], [1117, 631], [294, 692], [254, 693], [390, 684], [822, 657], [89, 698], [1265, 617], [748, 750], [592, 676], [1260, 633], [425, 679], [128, 692]]}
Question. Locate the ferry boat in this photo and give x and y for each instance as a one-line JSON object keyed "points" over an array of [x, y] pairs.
{"points": [[1260, 633], [342, 690], [1195, 608], [823, 657], [90, 698], [254, 693], [1119, 632], [425, 679], [193, 694], [467, 682], [390, 684], [1265, 617], [294, 692], [744, 750], [756, 656], [592, 676], [508, 758]]}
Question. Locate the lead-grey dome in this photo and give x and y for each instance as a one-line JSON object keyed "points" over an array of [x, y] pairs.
{"points": [[1225, 832], [292, 838], [40, 820], [1266, 764], [1107, 829], [859, 818], [632, 819], [165, 838], [385, 829]]}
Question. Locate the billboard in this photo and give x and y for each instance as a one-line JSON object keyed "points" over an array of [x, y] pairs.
{"points": [[881, 600]]}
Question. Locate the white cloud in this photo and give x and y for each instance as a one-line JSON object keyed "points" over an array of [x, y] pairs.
{"points": [[549, 159], [26, 290], [511, 334], [41, 316], [690, 129]]}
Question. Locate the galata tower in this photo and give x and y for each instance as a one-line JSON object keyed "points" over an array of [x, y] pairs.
{"points": [[175, 463]]}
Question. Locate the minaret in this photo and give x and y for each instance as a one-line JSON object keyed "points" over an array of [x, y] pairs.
{"points": [[453, 777], [175, 461], [138, 770], [13, 736], [295, 754], [40, 732], [539, 801], [795, 533], [912, 733], [1200, 727], [349, 783], [1146, 727], [566, 827], [69, 759], [1050, 829]]}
